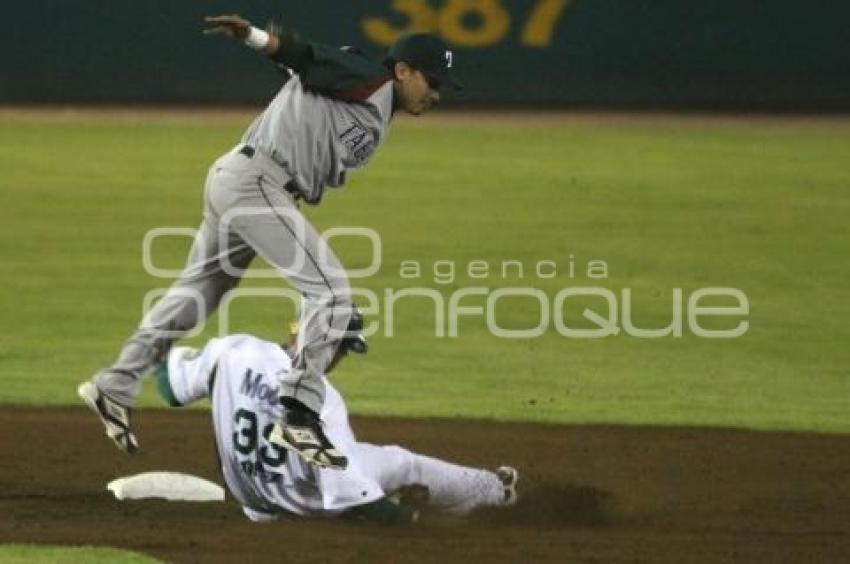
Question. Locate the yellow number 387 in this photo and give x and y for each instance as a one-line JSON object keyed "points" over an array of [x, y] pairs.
{"points": [[491, 22]]}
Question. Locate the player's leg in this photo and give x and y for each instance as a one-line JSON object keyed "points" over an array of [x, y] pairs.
{"points": [[274, 227], [187, 302], [451, 487], [197, 292], [276, 230]]}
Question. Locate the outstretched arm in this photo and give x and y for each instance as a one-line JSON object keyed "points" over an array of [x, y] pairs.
{"points": [[282, 46], [237, 27]]}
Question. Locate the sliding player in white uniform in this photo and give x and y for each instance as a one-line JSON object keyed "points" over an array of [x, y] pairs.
{"points": [[241, 374]]}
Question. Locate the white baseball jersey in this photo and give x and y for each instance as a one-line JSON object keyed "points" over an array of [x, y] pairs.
{"points": [[268, 480]]}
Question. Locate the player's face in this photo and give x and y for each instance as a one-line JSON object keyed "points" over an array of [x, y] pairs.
{"points": [[417, 93]]}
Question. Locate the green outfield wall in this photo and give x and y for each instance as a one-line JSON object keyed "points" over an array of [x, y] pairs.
{"points": [[746, 54]]}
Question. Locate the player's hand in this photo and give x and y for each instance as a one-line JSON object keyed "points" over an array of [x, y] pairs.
{"points": [[232, 26]]}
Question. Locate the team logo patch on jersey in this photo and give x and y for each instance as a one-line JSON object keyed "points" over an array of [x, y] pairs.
{"points": [[359, 143]]}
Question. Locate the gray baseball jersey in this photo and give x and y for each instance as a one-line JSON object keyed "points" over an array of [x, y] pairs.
{"points": [[333, 136]]}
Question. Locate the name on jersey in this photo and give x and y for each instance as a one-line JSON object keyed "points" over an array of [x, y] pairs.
{"points": [[255, 469], [358, 141], [254, 387]]}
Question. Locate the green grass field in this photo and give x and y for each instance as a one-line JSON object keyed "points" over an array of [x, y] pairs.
{"points": [[758, 205], [29, 554]]}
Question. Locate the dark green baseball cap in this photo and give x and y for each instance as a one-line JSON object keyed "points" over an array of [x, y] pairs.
{"points": [[428, 54]]}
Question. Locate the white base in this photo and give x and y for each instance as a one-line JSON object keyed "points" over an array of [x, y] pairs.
{"points": [[172, 486]]}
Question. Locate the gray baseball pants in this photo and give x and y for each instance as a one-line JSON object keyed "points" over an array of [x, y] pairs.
{"points": [[246, 212]]}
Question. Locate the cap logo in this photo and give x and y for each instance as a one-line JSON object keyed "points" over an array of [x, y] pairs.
{"points": [[448, 59]]}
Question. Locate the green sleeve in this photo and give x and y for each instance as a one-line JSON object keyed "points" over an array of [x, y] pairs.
{"points": [[329, 70], [163, 386], [293, 53]]}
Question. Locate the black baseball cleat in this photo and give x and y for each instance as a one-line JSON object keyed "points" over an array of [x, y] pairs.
{"points": [[509, 478], [114, 416], [301, 432]]}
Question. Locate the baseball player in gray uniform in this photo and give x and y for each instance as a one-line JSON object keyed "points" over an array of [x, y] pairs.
{"points": [[332, 113], [241, 375]]}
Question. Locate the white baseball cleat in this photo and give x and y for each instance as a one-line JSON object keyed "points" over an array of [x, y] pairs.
{"points": [[114, 416], [310, 444], [509, 477], [301, 432]]}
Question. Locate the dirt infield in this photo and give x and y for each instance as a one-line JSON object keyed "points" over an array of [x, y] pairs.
{"points": [[589, 494]]}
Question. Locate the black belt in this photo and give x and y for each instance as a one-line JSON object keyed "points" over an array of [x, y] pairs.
{"points": [[290, 186]]}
